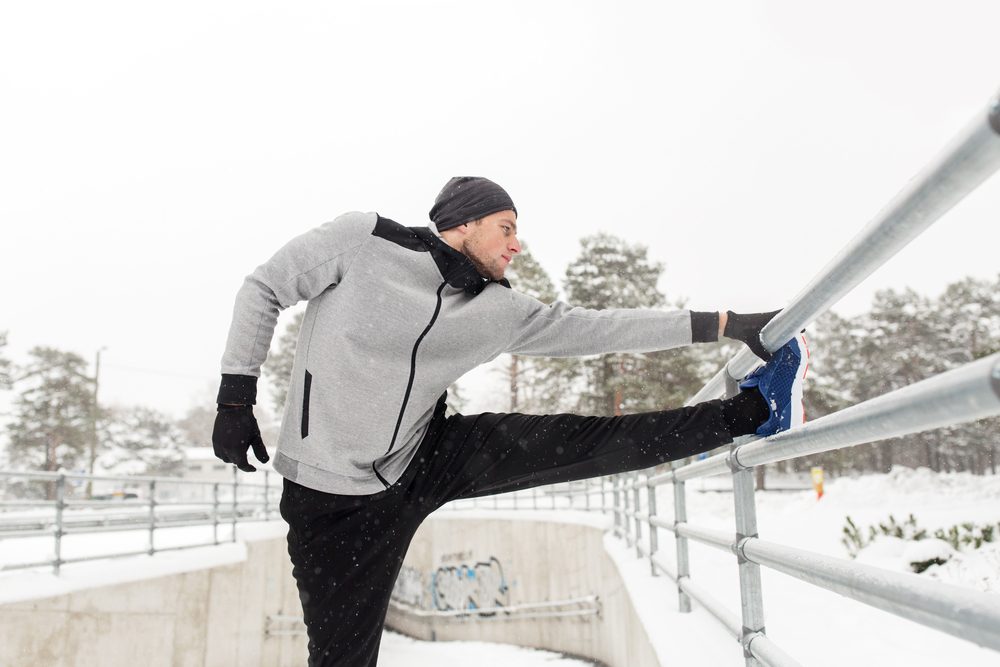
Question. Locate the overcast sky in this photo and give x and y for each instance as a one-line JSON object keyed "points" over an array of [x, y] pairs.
{"points": [[153, 154]]}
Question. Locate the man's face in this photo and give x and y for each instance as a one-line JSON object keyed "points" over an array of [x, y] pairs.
{"points": [[492, 243]]}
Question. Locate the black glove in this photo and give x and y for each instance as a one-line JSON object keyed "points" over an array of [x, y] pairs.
{"points": [[235, 431], [746, 328]]}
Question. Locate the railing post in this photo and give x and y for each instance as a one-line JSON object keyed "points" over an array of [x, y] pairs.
{"points": [[683, 568], [267, 494], [604, 497], [625, 518], [638, 521], [215, 512], [654, 538], [60, 506], [751, 594], [152, 516], [236, 488], [534, 498], [751, 597], [586, 494], [615, 510]]}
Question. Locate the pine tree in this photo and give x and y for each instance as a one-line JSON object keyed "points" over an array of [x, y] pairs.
{"points": [[51, 426], [611, 273], [280, 360], [196, 425], [137, 440], [528, 377], [6, 368], [903, 339], [970, 311]]}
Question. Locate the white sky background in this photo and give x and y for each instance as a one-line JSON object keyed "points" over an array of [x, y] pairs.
{"points": [[152, 155]]}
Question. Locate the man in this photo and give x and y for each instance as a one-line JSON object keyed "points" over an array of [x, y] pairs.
{"points": [[396, 314]]}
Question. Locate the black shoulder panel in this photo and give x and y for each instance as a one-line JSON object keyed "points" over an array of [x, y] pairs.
{"points": [[391, 230]]}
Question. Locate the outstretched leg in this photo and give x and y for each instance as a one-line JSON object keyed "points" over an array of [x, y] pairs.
{"points": [[485, 454]]}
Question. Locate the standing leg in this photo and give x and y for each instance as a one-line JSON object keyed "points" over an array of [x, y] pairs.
{"points": [[346, 552]]}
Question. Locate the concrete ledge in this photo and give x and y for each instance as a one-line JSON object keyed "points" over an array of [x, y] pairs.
{"points": [[458, 560], [205, 606]]}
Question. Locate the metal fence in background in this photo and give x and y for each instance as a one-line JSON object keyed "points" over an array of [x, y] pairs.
{"points": [[961, 395], [35, 504]]}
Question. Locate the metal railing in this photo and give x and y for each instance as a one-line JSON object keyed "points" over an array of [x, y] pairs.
{"points": [[587, 606], [168, 503], [965, 394]]}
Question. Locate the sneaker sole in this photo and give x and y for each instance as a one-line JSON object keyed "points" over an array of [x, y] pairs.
{"points": [[798, 416]]}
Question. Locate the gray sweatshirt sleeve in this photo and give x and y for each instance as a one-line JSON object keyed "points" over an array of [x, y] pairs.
{"points": [[302, 269], [561, 330]]}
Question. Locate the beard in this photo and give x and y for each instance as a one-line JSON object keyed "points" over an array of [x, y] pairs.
{"points": [[488, 268]]}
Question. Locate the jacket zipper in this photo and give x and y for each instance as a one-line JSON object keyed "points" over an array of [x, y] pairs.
{"points": [[409, 383]]}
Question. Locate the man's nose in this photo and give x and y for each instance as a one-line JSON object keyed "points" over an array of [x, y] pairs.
{"points": [[514, 246]]}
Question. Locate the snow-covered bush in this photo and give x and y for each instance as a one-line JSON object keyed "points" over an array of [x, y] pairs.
{"points": [[907, 540]]}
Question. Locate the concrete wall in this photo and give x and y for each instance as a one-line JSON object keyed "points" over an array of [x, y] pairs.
{"points": [[536, 561], [215, 613], [206, 617]]}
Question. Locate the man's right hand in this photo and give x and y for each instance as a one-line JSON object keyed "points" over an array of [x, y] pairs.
{"points": [[746, 327], [235, 432]]}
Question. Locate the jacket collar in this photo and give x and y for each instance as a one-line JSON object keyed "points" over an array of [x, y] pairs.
{"points": [[455, 267]]}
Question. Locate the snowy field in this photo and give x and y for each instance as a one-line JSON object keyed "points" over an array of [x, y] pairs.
{"points": [[400, 651], [815, 626]]}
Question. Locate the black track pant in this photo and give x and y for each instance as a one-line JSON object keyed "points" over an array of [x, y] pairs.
{"points": [[347, 550]]}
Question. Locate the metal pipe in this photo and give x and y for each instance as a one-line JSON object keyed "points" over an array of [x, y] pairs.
{"points": [[60, 505], [236, 489], [715, 538], [962, 612], [626, 512], [654, 538], [683, 568], [638, 520], [971, 158], [712, 606], [768, 652], [215, 513], [713, 465], [152, 517], [615, 509], [267, 494], [751, 594], [664, 567], [964, 394]]}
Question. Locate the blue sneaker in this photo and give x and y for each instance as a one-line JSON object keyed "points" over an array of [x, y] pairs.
{"points": [[780, 383]]}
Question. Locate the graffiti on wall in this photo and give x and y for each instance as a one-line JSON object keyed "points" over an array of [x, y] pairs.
{"points": [[479, 586], [409, 588]]}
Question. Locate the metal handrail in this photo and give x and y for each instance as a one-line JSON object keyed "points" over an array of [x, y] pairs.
{"points": [[961, 395], [131, 515], [589, 606], [963, 165]]}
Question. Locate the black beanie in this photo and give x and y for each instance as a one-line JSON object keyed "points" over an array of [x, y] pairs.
{"points": [[467, 198]]}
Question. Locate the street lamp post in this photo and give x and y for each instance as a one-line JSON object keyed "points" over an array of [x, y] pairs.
{"points": [[93, 424]]}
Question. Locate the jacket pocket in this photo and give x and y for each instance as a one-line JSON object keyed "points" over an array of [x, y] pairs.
{"points": [[305, 404]]}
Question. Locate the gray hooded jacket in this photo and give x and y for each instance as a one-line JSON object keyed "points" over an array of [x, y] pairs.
{"points": [[395, 316]]}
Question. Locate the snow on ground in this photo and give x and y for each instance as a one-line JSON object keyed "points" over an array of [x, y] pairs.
{"points": [[816, 627], [400, 651], [813, 625], [34, 583]]}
